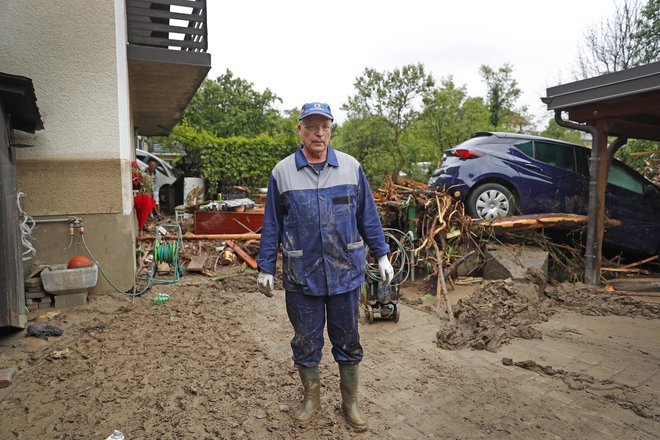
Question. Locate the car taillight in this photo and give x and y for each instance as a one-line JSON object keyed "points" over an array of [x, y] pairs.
{"points": [[467, 154]]}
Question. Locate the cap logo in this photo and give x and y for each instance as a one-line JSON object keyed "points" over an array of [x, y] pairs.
{"points": [[315, 108]]}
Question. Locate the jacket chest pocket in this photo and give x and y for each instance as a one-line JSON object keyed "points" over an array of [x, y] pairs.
{"points": [[343, 205]]}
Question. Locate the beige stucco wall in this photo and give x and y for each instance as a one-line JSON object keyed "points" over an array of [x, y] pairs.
{"points": [[74, 52]]}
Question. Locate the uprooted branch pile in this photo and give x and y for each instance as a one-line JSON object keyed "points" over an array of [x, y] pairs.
{"points": [[436, 219], [445, 233]]}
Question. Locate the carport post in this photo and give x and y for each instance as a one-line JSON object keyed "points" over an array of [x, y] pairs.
{"points": [[596, 207]]}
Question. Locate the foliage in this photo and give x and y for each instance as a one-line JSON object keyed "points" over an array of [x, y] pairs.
{"points": [[237, 160], [648, 32], [450, 116], [517, 121], [366, 139], [393, 97], [642, 156], [502, 92], [230, 106], [555, 131], [630, 38]]}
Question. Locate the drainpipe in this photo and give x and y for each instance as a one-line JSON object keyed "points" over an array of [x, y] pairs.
{"points": [[593, 251]]}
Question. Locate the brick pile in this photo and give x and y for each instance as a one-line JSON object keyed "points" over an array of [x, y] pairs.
{"points": [[35, 296]]}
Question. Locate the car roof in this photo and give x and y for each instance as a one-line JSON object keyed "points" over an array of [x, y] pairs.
{"points": [[521, 136]]}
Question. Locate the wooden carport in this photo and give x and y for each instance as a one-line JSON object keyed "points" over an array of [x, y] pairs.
{"points": [[621, 105]]}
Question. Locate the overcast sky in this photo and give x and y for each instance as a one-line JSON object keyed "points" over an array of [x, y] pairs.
{"points": [[307, 51]]}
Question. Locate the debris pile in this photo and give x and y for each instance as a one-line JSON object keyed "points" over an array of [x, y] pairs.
{"points": [[591, 301], [503, 310]]}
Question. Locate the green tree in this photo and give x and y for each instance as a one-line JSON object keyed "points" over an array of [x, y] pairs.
{"points": [[366, 140], [555, 131], [648, 32], [392, 97], [230, 106], [450, 116], [630, 38], [641, 155], [502, 92]]}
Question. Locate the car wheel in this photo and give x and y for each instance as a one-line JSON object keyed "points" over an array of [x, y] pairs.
{"points": [[491, 200]]}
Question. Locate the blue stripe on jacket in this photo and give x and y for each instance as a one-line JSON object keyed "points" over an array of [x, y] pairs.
{"points": [[322, 222]]}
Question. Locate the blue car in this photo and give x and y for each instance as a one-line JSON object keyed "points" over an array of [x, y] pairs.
{"points": [[501, 174]]}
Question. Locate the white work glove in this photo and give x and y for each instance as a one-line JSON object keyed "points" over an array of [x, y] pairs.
{"points": [[386, 270], [265, 284]]}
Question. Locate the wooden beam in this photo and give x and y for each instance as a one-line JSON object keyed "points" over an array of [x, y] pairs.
{"points": [[203, 237], [637, 130], [636, 284], [537, 221], [630, 106], [242, 254]]}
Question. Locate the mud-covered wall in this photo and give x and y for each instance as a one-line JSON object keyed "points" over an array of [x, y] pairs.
{"points": [[86, 186], [90, 189], [104, 237]]}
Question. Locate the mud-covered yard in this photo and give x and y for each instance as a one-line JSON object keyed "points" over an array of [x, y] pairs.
{"points": [[214, 362]]}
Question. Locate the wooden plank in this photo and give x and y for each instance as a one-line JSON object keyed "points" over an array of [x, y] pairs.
{"points": [[166, 42], [636, 284], [146, 12], [187, 236], [196, 4], [648, 294], [197, 263], [12, 290], [242, 254], [142, 26]]}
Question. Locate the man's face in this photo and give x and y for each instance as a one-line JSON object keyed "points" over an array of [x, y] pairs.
{"points": [[314, 131], [152, 165]]}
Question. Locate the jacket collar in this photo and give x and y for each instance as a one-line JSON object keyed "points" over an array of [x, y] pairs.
{"points": [[301, 160]]}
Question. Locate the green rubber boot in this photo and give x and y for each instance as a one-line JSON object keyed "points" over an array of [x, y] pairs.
{"points": [[349, 378], [312, 394]]}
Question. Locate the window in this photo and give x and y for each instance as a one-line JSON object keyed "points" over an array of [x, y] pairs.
{"points": [[561, 156], [526, 147], [621, 177]]}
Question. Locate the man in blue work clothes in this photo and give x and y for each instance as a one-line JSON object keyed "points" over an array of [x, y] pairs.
{"points": [[320, 209]]}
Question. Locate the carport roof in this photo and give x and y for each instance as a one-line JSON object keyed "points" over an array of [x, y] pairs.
{"points": [[17, 95], [629, 101]]}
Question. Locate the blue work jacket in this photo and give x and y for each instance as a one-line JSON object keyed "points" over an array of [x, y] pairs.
{"points": [[322, 220]]}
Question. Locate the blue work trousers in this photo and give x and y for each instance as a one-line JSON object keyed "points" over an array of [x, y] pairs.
{"points": [[307, 314]]}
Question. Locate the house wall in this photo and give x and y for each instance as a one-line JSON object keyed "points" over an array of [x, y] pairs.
{"points": [[80, 162]]}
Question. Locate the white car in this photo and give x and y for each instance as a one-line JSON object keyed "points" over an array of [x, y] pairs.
{"points": [[164, 172]]}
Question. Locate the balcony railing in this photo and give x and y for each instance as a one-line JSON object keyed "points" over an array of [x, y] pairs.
{"points": [[168, 24]]}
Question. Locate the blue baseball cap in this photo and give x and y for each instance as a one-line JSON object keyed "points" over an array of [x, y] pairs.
{"points": [[315, 108]]}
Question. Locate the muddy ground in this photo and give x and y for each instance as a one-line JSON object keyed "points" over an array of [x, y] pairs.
{"points": [[214, 362]]}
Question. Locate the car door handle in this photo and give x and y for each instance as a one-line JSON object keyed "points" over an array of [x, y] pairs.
{"points": [[531, 167]]}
